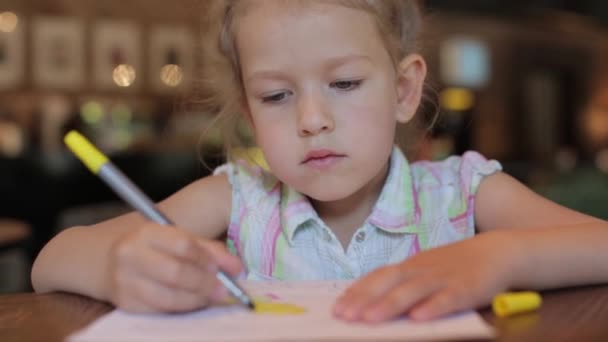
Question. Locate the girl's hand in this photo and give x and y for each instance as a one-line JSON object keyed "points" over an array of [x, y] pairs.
{"points": [[159, 268], [455, 277]]}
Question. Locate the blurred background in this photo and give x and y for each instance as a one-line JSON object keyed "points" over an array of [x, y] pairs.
{"points": [[524, 82]]}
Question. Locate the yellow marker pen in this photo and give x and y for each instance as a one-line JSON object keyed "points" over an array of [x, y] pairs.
{"points": [[100, 165], [278, 308], [509, 303]]}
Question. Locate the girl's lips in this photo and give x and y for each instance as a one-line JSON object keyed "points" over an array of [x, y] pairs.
{"points": [[324, 162], [322, 159], [319, 154]]}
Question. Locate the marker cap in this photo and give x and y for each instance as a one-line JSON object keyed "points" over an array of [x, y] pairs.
{"points": [[85, 151], [510, 303]]}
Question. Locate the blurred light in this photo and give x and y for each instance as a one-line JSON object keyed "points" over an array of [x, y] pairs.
{"points": [[123, 75], [8, 22], [595, 124], [91, 112], [601, 160], [11, 139], [457, 99], [566, 159], [171, 75], [464, 62], [121, 114], [121, 139]]}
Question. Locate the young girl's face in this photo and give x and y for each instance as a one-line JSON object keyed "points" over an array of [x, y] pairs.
{"points": [[322, 95]]}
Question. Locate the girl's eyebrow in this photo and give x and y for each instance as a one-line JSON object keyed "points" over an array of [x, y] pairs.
{"points": [[330, 64], [335, 62], [264, 74]]}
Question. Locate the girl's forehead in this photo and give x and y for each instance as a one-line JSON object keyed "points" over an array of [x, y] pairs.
{"points": [[308, 41], [274, 23], [287, 14]]}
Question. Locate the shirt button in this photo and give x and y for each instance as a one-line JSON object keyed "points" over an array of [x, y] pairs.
{"points": [[327, 236], [360, 236]]}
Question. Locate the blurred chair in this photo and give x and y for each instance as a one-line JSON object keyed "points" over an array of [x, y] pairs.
{"points": [[584, 189], [15, 236]]}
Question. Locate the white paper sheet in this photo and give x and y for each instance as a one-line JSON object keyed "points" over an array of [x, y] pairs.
{"points": [[235, 323]]}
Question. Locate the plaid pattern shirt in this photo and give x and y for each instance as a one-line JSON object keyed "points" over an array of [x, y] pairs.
{"points": [[278, 235]]}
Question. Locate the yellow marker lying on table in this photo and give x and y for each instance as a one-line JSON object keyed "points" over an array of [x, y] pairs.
{"points": [[510, 303], [265, 305], [278, 308], [100, 165]]}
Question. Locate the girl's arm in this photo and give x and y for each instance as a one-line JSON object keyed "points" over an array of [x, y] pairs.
{"points": [[564, 248], [526, 242], [131, 261]]}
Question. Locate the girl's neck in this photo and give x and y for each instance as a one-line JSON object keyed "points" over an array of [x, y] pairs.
{"points": [[346, 215]]}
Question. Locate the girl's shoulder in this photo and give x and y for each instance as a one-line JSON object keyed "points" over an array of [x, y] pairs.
{"points": [[249, 178], [466, 170]]}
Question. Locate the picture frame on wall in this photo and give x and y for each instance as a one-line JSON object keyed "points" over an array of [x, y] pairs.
{"points": [[58, 52], [12, 57], [116, 55], [171, 58]]}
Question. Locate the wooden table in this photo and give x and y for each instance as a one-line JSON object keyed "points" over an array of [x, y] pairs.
{"points": [[577, 314]]}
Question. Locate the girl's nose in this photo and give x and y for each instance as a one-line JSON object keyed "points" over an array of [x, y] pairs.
{"points": [[313, 116]]}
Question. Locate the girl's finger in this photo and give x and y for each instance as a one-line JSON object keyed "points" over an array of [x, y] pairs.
{"points": [[154, 296], [221, 256], [442, 303], [368, 290], [178, 243], [175, 272], [400, 299]]}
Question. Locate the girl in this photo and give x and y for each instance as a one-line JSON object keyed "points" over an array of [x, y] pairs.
{"points": [[323, 86]]}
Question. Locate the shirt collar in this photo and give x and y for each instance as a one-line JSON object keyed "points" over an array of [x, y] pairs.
{"points": [[296, 210], [396, 210]]}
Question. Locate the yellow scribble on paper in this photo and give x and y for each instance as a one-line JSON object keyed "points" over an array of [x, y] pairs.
{"points": [[278, 308]]}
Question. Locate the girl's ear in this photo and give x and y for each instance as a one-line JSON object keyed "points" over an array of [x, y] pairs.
{"points": [[411, 73]]}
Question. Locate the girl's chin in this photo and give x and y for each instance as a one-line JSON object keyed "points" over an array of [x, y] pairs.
{"points": [[329, 194]]}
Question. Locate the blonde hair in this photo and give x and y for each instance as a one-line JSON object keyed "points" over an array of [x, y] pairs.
{"points": [[398, 21]]}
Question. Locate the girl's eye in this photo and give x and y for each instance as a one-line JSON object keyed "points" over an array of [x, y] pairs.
{"points": [[346, 85], [277, 97]]}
